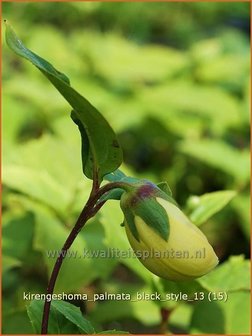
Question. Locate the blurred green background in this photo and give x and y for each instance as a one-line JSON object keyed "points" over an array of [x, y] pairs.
{"points": [[173, 81]]}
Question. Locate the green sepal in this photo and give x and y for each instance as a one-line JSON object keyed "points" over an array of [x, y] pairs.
{"points": [[142, 201], [160, 193], [115, 176], [155, 216], [130, 220], [164, 186], [119, 176], [114, 194]]}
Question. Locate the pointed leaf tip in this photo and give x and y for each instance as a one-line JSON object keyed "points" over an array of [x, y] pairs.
{"points": [[101, 152]]}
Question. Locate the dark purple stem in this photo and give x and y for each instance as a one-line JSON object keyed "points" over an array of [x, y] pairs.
{"points": [[89, 210]]}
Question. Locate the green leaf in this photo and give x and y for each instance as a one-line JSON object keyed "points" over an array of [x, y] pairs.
{"points": [[187, 287], [17, 237], [64, 318], [198, 115], [225, 315], [232, 278], [180, 318], [49, 237], [233, 275], [51, 185], [241, 204], [58, 324], [112, 332], [145, 311], [38, 184], [204, 207], [220, 156], [16, 322], [131, 62], [74, 315], [204, 315], [9, 262], [101, 151], [238, 323]]}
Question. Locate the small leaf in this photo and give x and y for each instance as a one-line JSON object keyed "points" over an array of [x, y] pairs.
{"points": [[207, 205], [100, 148]]}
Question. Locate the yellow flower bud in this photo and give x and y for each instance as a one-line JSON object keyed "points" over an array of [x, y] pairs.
{"points": [[185, 254]]}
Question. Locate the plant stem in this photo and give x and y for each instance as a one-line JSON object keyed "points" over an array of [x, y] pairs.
{"points": [[70, 239], [89, 210], [165, 314]]}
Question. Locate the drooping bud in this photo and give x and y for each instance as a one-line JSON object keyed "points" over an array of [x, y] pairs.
{"points": [[163, 238]]}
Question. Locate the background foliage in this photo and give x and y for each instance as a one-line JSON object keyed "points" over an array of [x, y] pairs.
{"points": [[173, 81]]}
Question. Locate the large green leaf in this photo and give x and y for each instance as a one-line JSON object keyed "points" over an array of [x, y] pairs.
{"points": [[208, 318], [49, 238], [218, 317], [74, 315], [238, 323], [17, 238], [100, 147], [221, 156], [180, 318], [145, 311], [45, 179], [38, 184], [79, 267], [16, 322], [207, 205], [181, 106], [231, 279], [233, 275], [242, 204], [9, 262], [131, 62], [64, 318], [112, 332]]}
